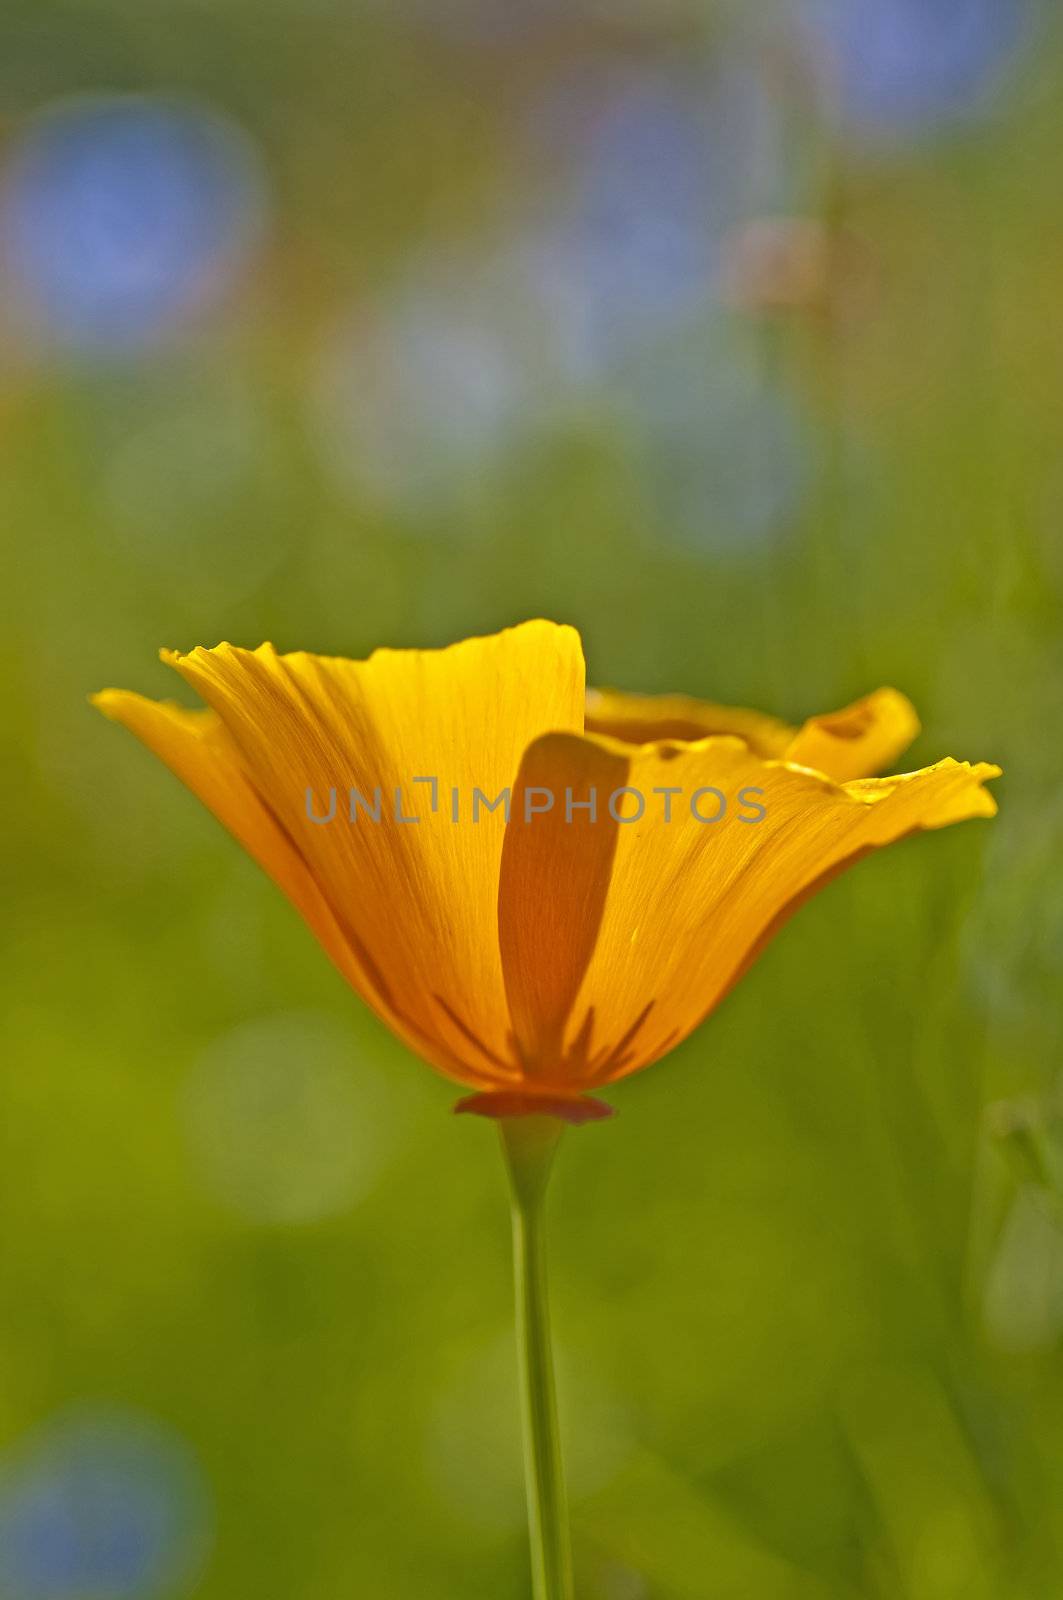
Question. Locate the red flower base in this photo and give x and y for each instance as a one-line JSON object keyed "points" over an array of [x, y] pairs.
{"points": [[574, 1110]]}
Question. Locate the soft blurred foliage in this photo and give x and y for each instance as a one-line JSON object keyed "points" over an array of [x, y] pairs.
{"points": [[730, 334]]}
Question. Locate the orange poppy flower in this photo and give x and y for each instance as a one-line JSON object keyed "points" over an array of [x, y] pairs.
{"points": [[539, 889]]}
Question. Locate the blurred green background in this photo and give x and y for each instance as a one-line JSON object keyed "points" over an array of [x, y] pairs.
{"points": [[730, 334]]}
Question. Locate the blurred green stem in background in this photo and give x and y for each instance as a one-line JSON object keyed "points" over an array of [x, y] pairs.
{"points": [[529, 1144]]}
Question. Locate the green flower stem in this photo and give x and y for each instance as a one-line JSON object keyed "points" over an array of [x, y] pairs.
{"points": [[528, 1144]]}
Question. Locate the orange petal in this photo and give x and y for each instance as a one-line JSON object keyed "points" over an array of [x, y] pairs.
{"points": [[666, 914]]}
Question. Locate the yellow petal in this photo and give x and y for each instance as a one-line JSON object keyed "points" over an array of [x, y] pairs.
{"points": [[855, 742], [863, 739], [197, 749], [649, 718], [419, 898], [660, 916]]}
